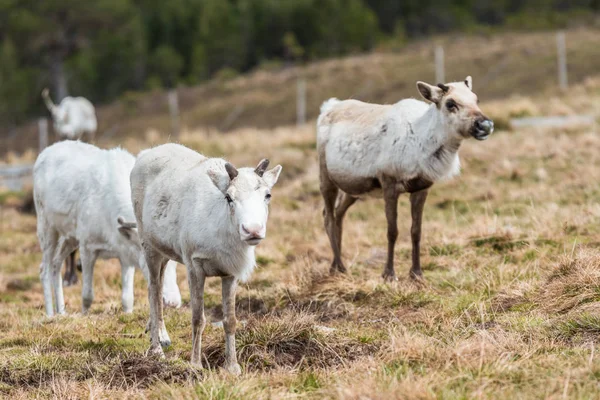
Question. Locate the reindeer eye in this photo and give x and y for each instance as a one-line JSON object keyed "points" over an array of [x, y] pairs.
{"points": [[228, 198], [268, 196], [451, 106]]}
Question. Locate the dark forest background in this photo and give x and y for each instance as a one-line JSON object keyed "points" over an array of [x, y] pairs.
{"points": [[102, 48]]}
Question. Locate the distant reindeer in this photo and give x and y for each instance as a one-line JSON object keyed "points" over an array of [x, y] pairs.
{"points": [[73, 118], [387, 150]]}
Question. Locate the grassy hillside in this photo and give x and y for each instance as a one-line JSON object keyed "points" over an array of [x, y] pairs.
{"points": [[501, 65], [509, 309]]}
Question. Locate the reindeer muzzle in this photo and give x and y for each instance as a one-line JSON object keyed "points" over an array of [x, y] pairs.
{"points": [[482, 129]]}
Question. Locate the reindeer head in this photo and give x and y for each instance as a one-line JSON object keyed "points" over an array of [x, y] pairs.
{"points": [[459, 108], [247, 193], [130, 243]]}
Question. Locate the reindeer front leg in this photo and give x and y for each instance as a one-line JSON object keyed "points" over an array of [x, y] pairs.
{"points": [[229, 285], [196, 278], [390, 197], [417, 203]]}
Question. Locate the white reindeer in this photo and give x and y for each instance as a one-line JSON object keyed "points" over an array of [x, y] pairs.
{"points": [[206, 214], [73, 117], [371, 149], [83, 200]]}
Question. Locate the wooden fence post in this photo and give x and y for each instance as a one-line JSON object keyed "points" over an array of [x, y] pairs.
{"points": [[561, 48], [43, 133], [301, 102], [174, 112], [440, 76]]}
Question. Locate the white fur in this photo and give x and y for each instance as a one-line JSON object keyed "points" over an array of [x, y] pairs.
{"points": [[180, 206], [329, 104], [80, 191], [171, 293], [73, 117]]}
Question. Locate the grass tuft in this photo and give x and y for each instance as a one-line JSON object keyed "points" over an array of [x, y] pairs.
{"points": [[290, 341]]}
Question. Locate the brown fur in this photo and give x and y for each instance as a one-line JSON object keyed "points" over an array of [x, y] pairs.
{"points": [[356, 112], [70, 276]]}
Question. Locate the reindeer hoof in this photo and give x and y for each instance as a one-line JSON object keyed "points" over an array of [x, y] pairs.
{"points": [[389, 276], [163, 336], [70, 280], [156, 351], [337, 268], [233, 369], [416, 276]]}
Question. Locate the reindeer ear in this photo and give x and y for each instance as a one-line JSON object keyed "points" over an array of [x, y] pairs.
{"points": [[218, 179], [129, 225], [469, 82], [271, 176], [127, 229], [432, 93], [262, 167]]}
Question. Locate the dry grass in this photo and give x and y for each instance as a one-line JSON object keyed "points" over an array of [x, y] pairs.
{"points": [[510, 308]]}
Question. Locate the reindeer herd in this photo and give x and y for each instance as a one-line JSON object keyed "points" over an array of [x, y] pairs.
{"points": [[172, 204]]}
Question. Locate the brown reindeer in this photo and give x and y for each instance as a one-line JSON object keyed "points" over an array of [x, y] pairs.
{"points": [[386, 150]]}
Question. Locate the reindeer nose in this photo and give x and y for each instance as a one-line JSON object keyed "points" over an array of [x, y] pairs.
{"points": [[486, 125], [253, 230]]}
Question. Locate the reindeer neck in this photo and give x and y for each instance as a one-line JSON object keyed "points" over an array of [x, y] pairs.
{"points": [[433, 131], [438, 145]]}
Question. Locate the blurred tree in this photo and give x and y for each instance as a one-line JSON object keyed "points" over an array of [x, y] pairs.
{"points": [[166, 64], [15, 85], [221, 36], [174, 24], [387, 12], [344, 25], [102, 48], [199, 64], [57, 29], [293, 50]]}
